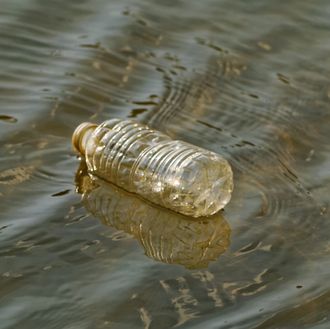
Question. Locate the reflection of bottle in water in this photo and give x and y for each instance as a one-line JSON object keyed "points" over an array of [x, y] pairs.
{"points": [[174, 174], [165, 235]]}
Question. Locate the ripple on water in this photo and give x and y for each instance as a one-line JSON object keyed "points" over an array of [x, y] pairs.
{"points": [[245, 86]]}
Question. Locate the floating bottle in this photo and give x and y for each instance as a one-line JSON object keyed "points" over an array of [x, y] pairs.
{"points": [[165, 235], [171, 173]]}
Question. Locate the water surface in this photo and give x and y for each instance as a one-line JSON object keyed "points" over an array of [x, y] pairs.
{"points": [[247, 79]]}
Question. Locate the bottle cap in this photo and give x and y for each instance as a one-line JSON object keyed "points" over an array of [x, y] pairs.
{"points": [[79, 137]]}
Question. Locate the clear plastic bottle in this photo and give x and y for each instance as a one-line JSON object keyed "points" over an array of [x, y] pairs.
{"points": [[171, 173]]}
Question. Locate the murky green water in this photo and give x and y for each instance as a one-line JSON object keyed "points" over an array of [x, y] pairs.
{"points": [[247, 79]]}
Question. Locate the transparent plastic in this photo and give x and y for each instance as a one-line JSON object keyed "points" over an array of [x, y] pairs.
{"points": [[165, 235], [171, 173]]}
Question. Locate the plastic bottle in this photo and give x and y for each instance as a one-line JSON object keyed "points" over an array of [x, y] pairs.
{"points": [[165, 235], [171, 173]]}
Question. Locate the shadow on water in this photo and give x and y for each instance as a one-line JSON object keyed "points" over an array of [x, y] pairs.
{"points": [[166, 236], [249, 80]]}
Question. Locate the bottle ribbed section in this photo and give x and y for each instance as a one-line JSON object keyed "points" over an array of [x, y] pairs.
{"points": [[118, 147]]}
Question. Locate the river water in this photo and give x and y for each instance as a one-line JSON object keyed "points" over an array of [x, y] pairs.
{"points": [[246, 79]]}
